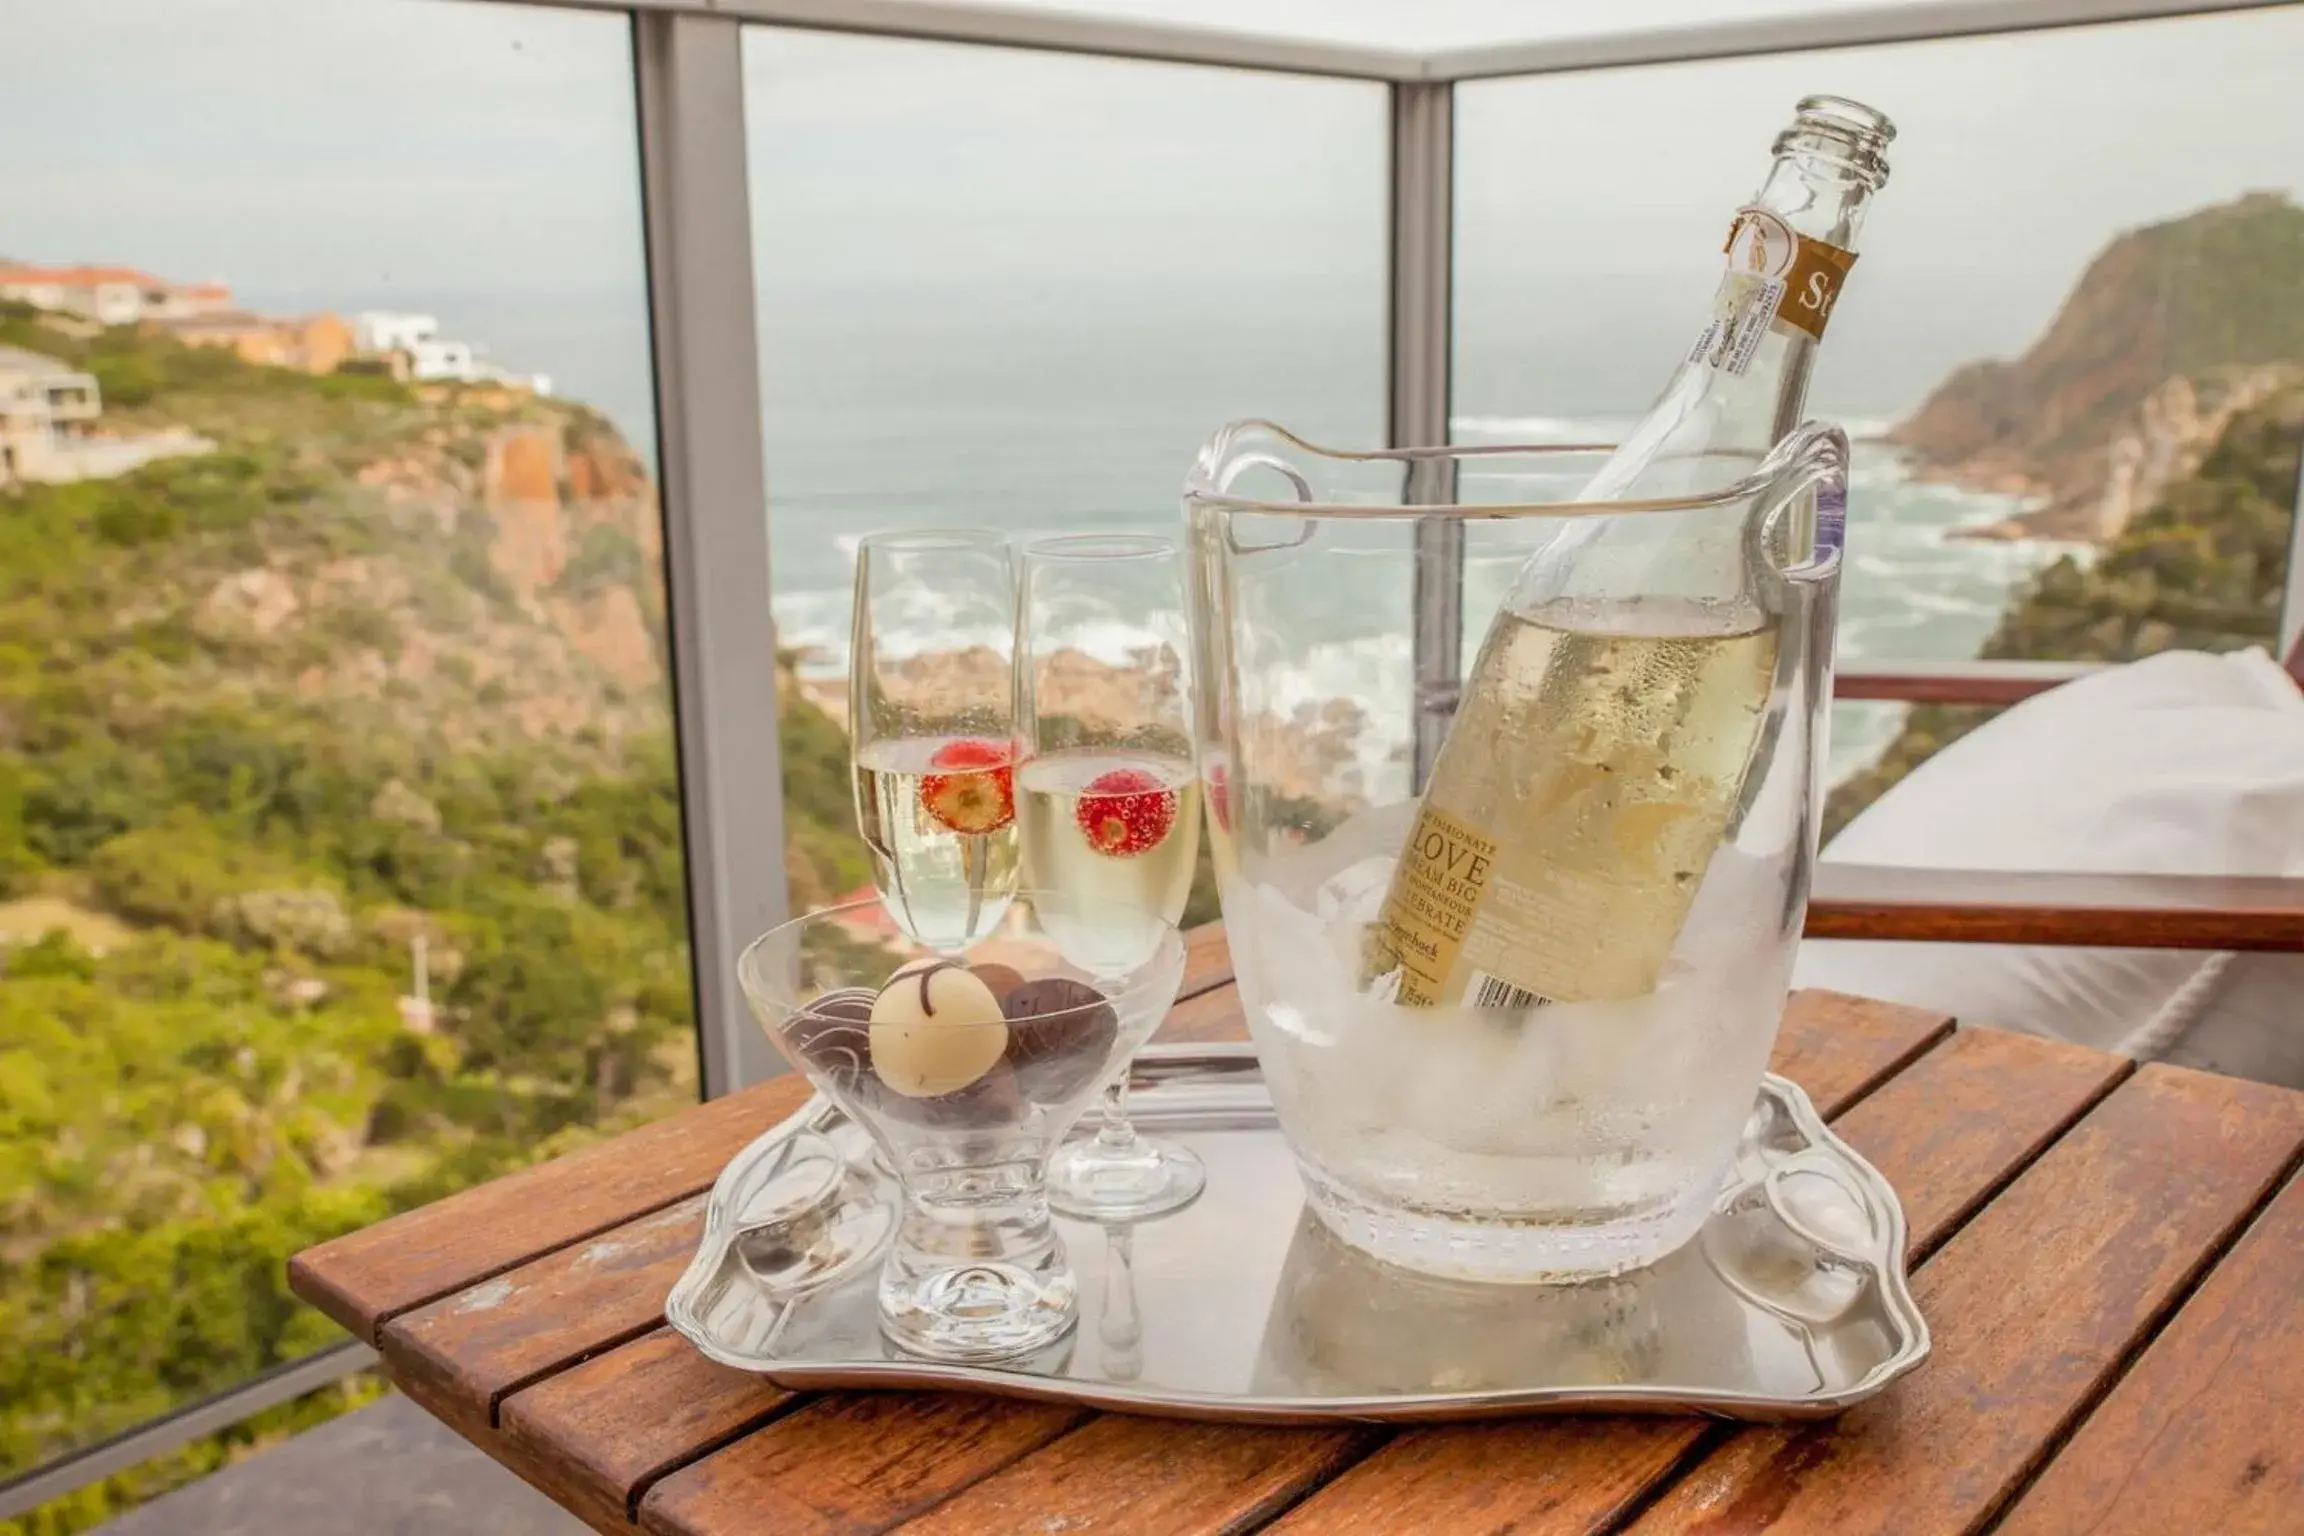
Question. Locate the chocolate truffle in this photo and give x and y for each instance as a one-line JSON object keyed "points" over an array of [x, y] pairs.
{"points": [[1001, 979], [828, 1034], [1060, 1035], [935, 1029]]}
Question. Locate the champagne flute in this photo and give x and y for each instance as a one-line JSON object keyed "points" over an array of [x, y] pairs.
{"points": [[1110, 805], [932, 729]]}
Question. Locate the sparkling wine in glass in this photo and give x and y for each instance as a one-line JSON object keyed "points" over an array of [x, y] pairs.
{"points": [[1109, 801], [932, 722]]}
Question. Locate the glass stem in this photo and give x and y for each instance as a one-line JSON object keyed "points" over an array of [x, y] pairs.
{"points": [[974, 857], [1115, 1134]]}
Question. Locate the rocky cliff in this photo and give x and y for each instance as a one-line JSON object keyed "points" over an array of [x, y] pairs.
{"points": [[459, 567], [2173, 333]]}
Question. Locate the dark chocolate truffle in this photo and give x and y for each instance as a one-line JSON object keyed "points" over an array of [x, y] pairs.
{"points": [[1060, 1035], [999, 979]]}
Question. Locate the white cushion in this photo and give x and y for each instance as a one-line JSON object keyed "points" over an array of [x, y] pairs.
{"points": [[2185, 763]]}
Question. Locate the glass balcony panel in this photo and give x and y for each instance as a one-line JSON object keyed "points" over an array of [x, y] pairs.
{"points": [[1018, 290], [340, 856], [2067, 351]]}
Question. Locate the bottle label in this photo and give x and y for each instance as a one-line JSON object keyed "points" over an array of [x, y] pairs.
{"points": [[1774, 277], [1587, 782], [1443, 873]]}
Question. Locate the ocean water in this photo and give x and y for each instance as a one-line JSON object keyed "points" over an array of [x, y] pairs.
{"points": [[1910, 589], [1081, 410]]}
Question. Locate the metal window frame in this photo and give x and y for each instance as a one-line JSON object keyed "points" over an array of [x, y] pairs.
{"points": [[713, 484], [157, 1437], [1420, 293], [1899, 21], [1017, 26], [701, 303], [2292, 594]]}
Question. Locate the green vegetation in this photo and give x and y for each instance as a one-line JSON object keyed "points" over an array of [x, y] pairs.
{"points": [[269, 716], [2201, 570]]}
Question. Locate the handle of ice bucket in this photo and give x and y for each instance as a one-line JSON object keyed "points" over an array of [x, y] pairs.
{"points": [[1228, 482], [1811, 460]]}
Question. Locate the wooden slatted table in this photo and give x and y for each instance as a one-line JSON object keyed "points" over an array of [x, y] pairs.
{"points": [[2112, 1261]]}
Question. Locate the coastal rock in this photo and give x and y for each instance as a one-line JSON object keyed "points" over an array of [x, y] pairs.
{"points": [[1313, 751], [2173, 332]]}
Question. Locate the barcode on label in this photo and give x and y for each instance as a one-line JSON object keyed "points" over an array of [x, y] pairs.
{"points": [[1489, 991]]}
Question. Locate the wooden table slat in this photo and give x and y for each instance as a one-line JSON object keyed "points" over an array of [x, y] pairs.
{"points": [[1209, 1017], [1945, 1132], [1117, 1473], [364, 1279], [1207, 959], [1840, 1048], [2206, 1433], [1951, 1130], [603, 1431], [460, 1355], [850, 1462], [2033, 1304]]}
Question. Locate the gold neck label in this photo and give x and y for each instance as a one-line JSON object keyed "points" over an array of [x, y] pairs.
{"points": [[1775, 277]]}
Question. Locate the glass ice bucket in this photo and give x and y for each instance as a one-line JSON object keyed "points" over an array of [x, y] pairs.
{"points": [[1339, 601]]}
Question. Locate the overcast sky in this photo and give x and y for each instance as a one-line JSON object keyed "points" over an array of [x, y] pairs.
{"points": [[442, 152]]}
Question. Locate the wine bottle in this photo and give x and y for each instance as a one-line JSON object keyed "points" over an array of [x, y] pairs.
{"points": [[1605, 731]]}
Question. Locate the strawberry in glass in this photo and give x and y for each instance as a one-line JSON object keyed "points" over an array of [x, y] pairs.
{"points": [[939, 817], [971, 786], [1111, 825]]}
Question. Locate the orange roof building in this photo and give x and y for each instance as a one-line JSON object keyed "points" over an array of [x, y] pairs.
{"points": [[111, 295]]}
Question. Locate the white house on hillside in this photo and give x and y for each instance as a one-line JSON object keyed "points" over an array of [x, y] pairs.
{"points": [[48, 411], [44, 406], [434, 359], [378, 331], [423, 356]]}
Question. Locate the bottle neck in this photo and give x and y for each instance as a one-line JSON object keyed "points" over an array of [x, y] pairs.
{"points": [[1821, 199], [1817, 193], [1739, 390]]}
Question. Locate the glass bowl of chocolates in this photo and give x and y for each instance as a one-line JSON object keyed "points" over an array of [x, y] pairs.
{"points": [[966, 1068]]}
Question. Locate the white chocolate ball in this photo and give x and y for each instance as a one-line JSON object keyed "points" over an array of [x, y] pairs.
{"points": [[935, 1029]]}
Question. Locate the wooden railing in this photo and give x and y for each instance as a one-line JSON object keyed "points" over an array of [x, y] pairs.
{"points": [[1854, 901], [1953, 682]]}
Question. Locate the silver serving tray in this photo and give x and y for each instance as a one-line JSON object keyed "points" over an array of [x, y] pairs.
{"points": [[1791, 1303]]}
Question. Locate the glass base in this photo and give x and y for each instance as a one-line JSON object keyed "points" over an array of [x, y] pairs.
{"points": [[1093, 1180], [1506, 1252], [977, 1271], [976, 1312]]}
